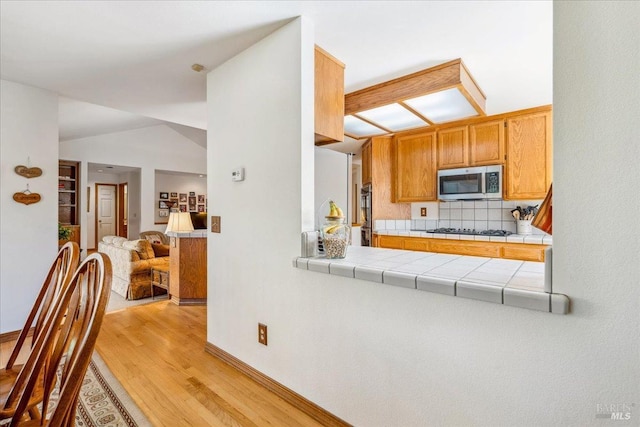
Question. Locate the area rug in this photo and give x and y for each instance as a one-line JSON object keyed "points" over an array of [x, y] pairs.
{"points": [[104, 402]]}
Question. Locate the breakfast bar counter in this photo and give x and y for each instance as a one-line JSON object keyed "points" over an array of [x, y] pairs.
{"points": [[502, 281]]}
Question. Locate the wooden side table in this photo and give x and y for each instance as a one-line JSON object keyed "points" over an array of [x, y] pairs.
{"points": [[160, 278]]}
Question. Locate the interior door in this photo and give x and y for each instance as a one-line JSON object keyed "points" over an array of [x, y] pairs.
{"points": [[105, 211], [123, 209]]}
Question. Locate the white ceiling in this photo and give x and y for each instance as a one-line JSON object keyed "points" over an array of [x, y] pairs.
{"points": [[136, 56]]}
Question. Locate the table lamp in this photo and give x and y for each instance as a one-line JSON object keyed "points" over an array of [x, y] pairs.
{"points": [[179, 222]]}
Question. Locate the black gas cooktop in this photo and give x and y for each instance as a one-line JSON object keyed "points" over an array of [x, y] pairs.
{"points": [[470, 231]]}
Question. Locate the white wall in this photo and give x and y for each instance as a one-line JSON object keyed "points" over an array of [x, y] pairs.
{"points": [[332, 180], [379, 355], [150, 148], [185, 183], [28, 239]]}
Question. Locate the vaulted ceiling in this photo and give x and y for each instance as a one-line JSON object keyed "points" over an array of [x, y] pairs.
{"points": [[136, 56]]}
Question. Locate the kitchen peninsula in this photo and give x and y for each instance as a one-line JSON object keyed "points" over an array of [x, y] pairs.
{"points": [[501, 281]]}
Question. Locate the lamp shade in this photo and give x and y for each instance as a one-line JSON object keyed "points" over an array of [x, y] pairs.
{"points": [[179, 222]]}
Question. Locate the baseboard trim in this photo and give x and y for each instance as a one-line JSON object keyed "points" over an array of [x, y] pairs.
{"points": [[188, 301], [12, 336], [319, 414]]}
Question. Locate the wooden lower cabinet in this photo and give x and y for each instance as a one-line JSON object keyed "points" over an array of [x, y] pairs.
{"points": [[390, 242], [188, 270], [519, 251]]}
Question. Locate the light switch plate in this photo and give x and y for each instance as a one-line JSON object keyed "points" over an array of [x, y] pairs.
{"points": [[215, 224]]}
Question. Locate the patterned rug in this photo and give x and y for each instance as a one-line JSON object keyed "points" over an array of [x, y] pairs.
{"points": [[104, 402]]}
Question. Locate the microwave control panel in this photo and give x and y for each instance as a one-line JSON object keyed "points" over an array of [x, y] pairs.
{"points": [[492, 182]]}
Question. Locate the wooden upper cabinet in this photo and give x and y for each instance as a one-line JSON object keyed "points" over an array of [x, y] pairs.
{"points": [[453, 148], [529, 156], [415, 173], [366, 163], [486, 143], [329, 98]]}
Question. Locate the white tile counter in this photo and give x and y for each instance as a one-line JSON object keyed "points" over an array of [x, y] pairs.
{"points": [[501, 281]]}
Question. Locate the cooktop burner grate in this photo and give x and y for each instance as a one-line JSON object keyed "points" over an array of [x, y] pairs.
{"points": [[470, 231]]}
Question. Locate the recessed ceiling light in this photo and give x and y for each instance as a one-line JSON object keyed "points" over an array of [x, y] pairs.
{"points": [[197, 67], [201, 176], [109, 167], [99, 170], [359, 128]]}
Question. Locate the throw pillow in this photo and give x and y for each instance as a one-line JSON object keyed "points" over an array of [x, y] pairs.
{"points": [[154, 238], [142, 247], [160, 250]]}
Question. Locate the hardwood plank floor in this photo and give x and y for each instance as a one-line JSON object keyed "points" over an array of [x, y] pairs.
{"points": [[157, 352]]}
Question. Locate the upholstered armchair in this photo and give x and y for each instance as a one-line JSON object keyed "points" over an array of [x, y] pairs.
{"points": [[151, 236]]}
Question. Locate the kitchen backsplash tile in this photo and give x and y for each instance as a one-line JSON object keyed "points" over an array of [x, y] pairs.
{"points": [[478, 215]]}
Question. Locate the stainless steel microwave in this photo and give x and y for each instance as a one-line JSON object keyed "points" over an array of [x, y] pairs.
{"points": [[476, 183]]}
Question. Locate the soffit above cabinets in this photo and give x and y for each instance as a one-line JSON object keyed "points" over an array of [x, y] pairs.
{"points": [[436, 95]]}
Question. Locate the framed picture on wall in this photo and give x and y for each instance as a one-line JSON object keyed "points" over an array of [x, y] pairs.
{"points": [[174, 195], [192, 193], [192, 208], [174, 200], [183, 197], [163, 213], [183, 208], [163, 205], [200, 208], [200, 198], [164, 196], [192, 200]]}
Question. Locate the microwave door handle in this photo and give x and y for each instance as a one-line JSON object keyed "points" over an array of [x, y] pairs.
{"points": [[484, 182]]}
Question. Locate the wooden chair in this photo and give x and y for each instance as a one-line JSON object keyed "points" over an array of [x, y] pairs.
{"points": [[65, 347], [58, 278]]}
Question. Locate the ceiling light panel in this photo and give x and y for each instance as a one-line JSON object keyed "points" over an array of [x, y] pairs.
{"points": [[394, 117], [356, 127], [443, 106]]}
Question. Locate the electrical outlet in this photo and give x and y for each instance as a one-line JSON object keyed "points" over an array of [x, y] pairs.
{"points": [[262, 333], [423, 211]]}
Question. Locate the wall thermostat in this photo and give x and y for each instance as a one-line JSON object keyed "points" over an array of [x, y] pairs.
{"points": [[237, 174]]}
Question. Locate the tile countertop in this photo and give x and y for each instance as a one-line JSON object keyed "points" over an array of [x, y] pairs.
{"points": [[539, 239], [501, 281]]}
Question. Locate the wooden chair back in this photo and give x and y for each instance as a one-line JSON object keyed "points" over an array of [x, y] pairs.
{"points": [[58, 277], [66, 346]]}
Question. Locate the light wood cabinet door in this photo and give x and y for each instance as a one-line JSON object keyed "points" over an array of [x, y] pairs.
{"points": [[329, 98], [391, 242], [486, 143], [528, 171], [453, 148], [366, 163], [415, 173]]}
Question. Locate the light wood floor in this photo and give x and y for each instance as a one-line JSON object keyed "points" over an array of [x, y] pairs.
{"points": [[157, 353]]}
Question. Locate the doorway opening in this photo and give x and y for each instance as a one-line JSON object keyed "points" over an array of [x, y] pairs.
{"points": [[114, 193]]}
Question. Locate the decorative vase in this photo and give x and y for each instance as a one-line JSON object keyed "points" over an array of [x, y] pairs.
{"points": [[336, 236]]}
